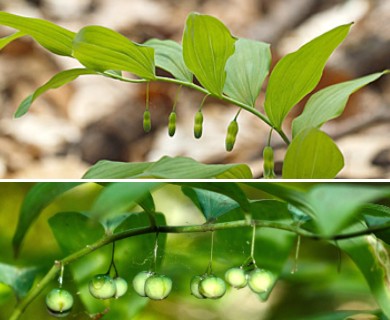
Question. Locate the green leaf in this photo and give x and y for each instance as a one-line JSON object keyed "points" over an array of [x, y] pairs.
{"points": [[137, 220], [372, 259], [207, 45], [39, 197], [377, 215], [8, 39], [336, 205], [167, 168], [343, 315], [49, 35], [103, 49], [169, 57], [231, 190], [147, 203], [272, 210], [211, 204], [57, 81], [105, 169], [111, 224], [297, 74], [117, 197], [20, 279], [287, 192], [312, 154], [329, 103], [74, 231], [246, 70]]}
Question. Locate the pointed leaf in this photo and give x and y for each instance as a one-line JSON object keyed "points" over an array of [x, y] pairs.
{"points": [[207, 45], [312, 154], [329, 103], [111, 224], [147, 203], [8, 39], [246, 70], [231, 190], [345, 315], [336, 205], [18, 278], [287, 192], [105, 169], [118, 197], [39, 197], [378, 215], [169, 57], [49, 35], [187, 168], [74, 231], [297, 74], [57, 81], [211, 204], [372, 259], [102, 49], [167, 168]]}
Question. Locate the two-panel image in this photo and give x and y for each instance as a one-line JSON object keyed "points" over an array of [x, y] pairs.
{"points": [[165, 160]]}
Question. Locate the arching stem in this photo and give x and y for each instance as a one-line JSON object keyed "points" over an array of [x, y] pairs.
{"points": [[176, 98], [112, 264], [298, 246], [210, 266], [61, 277]]}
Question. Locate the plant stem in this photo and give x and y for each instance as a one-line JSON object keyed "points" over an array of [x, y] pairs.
{"points": [[51, 274], [155, 251], [253, 242], [298, 246], [203, 101], [210, 267], [147, 96], [191, 85], [176, 98], [61, 277], [112, 264], [269, 137]]}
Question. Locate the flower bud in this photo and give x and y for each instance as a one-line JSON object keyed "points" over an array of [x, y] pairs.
{"points": [[212, 287], [139, 282], [158, 287], [147, 121], [261, 280], [195, 287], [231, 135], [236, 277], [121, 287], [172, 124], [59, 302], [102, 286], [198, 124], [268, 166]]}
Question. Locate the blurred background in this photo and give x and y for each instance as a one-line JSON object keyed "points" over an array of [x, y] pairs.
{"points": [[92, 118], [326, 280]]}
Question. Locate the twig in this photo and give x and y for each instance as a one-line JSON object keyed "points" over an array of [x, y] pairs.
{"points": [[51, 274]]}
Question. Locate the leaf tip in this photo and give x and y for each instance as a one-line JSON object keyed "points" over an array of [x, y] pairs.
{"points": [[23, 107]]}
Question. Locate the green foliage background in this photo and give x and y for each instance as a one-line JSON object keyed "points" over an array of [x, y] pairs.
{"points": [[326, 281]]}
